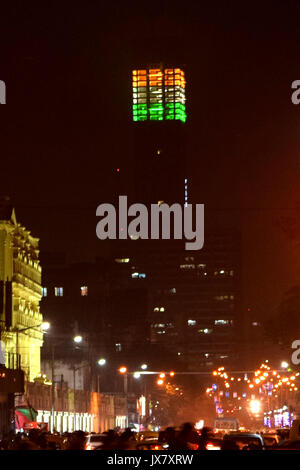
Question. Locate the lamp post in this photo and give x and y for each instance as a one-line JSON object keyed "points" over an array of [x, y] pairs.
{"points": [[123, 370], [44, 327]]}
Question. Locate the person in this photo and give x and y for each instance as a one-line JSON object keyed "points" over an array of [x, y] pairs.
{"points": [[127, 440], [110, 440], [170, 438], [203, 439], [77, 441], [187, 438]]}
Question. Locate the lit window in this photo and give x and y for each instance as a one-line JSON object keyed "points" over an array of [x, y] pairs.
{"points": [[84, 291], [44, 291], [156, 309], [118, 347], [59, 291], [122, 260], [191, 322], [138, 275], [221, 322], [173, 290], [162, 309], [206, 331], [187, 266]]}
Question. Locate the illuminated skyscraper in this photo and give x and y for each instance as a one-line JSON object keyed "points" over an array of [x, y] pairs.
{"points": [[158, 94], [159, 122]]}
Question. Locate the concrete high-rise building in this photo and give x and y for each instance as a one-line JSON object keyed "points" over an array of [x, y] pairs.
{"points": [[159, 116]]}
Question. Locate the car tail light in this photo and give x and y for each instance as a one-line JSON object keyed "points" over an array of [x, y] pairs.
{"points": [[157, 448], [211, 446], [193, 446]]}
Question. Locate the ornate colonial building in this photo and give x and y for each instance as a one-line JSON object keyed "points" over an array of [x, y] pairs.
{"points": [[20, 294]]}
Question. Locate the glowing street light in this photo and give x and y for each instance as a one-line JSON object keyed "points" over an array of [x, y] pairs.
{"points": [[77, 339], [144, 366], [102, 362], [136, 375], [160, 382], [255, 406], [162, 375], [45, 326], [284, 365], [123, 370]]}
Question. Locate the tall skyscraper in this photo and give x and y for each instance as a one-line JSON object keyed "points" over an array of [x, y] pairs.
{"points": [[192, 297], [159, 115]]}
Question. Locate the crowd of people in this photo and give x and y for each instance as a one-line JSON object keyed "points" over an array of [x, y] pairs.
{"points": [[187, 438]]}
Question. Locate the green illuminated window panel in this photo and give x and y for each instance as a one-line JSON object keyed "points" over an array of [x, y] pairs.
{"points": [[158, 94]]}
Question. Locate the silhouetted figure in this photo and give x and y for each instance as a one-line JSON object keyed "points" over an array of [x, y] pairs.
{"points": [[203, 439], [77, 441], [110, 440], [187, 437], [127, 440]]}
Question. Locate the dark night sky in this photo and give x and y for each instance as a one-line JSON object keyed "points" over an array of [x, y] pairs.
{"points": [[66, 126]]}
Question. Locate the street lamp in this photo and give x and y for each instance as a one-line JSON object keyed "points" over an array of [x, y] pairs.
{"points": [[144, 366], [77, 339], [123, 370], [136, 375], [102, 362], [284, 365]]}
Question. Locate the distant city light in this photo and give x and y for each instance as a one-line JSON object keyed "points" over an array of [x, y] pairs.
{"points": [[45, 326], [102, 362], [77, 339], [123, 370], [144, 366], [136, 375], [255, 406], [284, 365]]}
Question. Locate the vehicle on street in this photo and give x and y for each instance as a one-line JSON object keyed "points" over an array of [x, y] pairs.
{"points": [[242, 441], [289, 445], [94, 440], [271, 440]]}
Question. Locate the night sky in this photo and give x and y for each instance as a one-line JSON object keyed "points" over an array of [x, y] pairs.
{"points": [[67, 123]]}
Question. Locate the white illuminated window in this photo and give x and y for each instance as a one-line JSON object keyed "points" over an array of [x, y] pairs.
{"points": [[221, 322], [118, 347], [59, 291], [44, 291], [191, 322], [122, 260]]}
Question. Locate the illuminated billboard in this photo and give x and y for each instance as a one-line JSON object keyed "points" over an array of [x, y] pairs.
{"points": [[158, 94]]}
